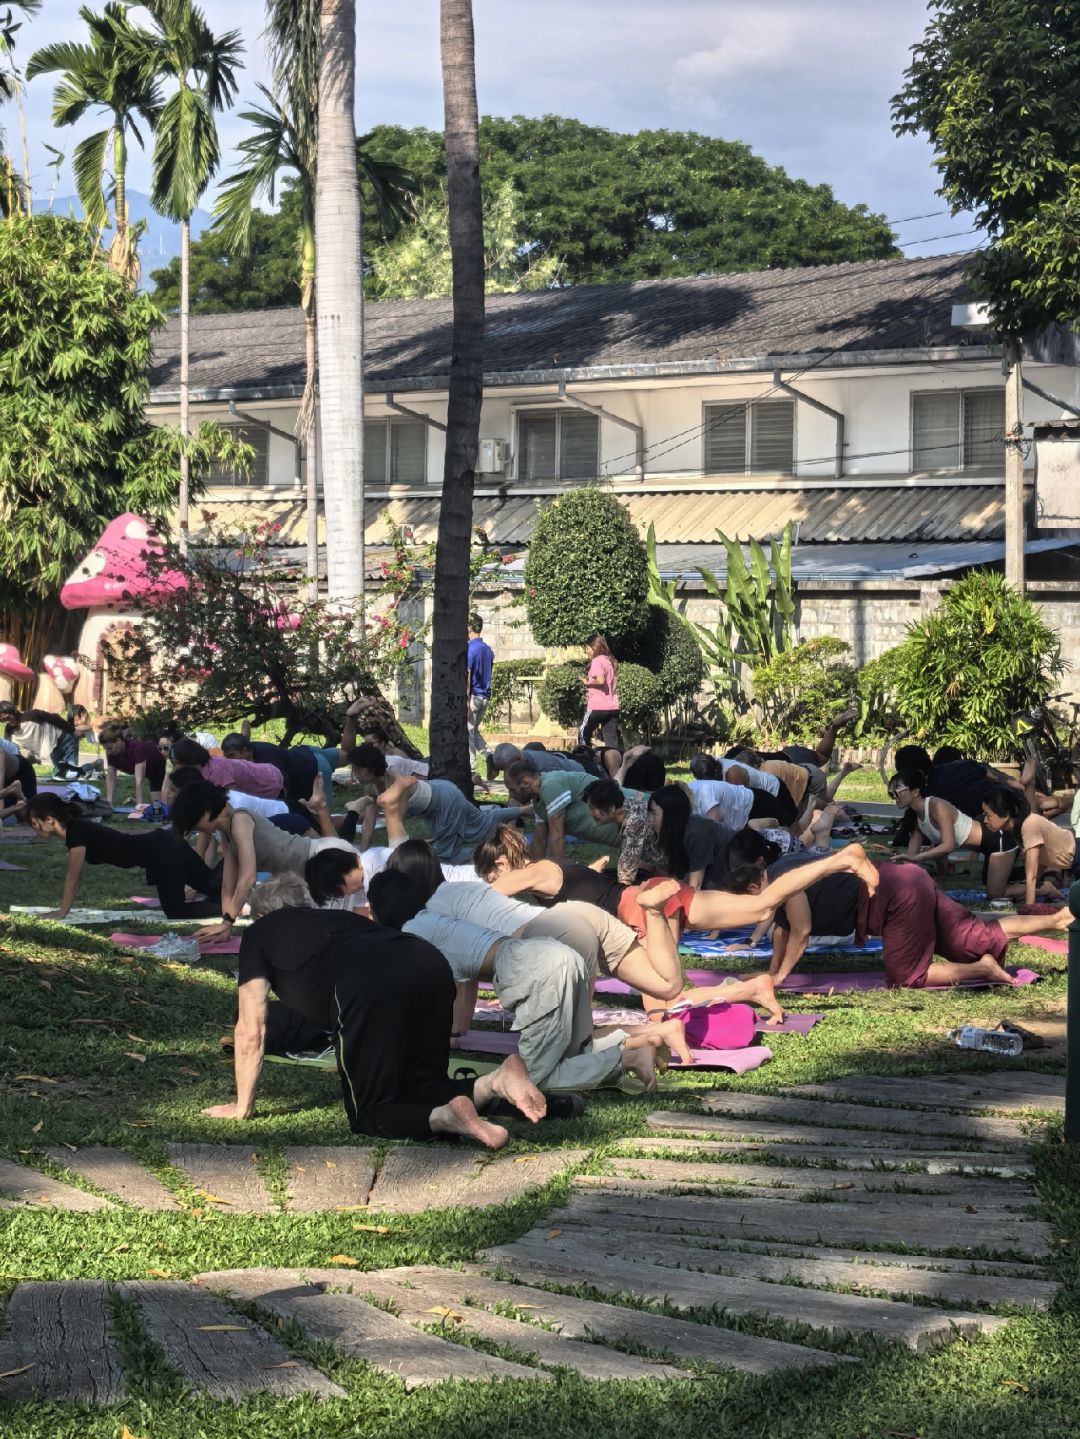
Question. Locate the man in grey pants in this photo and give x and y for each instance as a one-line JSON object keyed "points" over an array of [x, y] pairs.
{"points": [[480, 659]]}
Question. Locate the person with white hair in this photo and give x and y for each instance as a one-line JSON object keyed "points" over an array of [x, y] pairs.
{"points": [[388, 998]]}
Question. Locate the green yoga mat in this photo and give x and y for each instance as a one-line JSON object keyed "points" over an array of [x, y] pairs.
{"points": [[471, 1068]]}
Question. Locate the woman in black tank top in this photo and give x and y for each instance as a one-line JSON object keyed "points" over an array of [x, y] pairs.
{"points": [[503, 860]]}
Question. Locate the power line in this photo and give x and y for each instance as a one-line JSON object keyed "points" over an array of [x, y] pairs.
{"points": [[928, 239], [930, 215]]}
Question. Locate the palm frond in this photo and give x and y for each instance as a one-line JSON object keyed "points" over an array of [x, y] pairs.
{"points": [[87, 165], [268, 150], [393, 188], [186, 153], [64, 55]]}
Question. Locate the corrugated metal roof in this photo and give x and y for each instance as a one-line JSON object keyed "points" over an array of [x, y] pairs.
{"points": [[877, 513]]}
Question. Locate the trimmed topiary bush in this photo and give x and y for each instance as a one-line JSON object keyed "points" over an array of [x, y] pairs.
{"points": [[507, 684], [641, 699], [586, 571], [562, 695], [801, 690], [668, 647]]}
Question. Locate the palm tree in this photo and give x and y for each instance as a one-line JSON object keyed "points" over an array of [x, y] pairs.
{"points": [[9, 28], [282, 138], [14, 188], [181, 47], [339, 305], [449, 638], [105, 74]]}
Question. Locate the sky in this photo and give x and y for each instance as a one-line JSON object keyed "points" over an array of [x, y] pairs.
{"points": [[805, 83]]}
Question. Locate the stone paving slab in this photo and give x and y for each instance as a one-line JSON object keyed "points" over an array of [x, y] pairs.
{"points": [[223, 1174], [24, 1185], [328, 1177], [752, 1129], [419, 1177], [359, 1330], [215, 1350], [59, 1344], [859, 1186], [116, 1172], [415, 1298], [1005, 1132], [813, 1268], [585, 1318], [957, 1163], [975, 1092], [579, 1262], [923, 1228]]}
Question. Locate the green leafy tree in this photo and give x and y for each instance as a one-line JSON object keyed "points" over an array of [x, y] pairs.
{"points": [[265, 276], [416, 263], [800, 690], [995, 84], [586, 571], [105, 74], [655, 204], [983, 655], [75, 449], [641, 699]]}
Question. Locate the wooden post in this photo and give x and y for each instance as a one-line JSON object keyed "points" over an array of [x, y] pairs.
{"points": [[1014, 464]]}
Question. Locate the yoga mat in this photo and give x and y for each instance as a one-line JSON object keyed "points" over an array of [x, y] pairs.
{"points": [[846, 981], [497, 1041], [144, 941], [1055, 946], [147, 901], [79, 917], [793, 1023], [4, 865], [692, 943], [457, 1067]]}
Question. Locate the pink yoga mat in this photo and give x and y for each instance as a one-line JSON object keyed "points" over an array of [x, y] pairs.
{"points": [[739, 1061], [143, 941], [793, 1023], [818, 983], [1039, 941], [147, 901]]}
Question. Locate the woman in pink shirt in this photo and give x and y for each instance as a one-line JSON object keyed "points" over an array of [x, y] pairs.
{"points": [[602, 696], [264, 781]]}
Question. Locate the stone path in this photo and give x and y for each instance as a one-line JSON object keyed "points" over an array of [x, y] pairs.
{"points": [[903, 1220], [227, 1177]]}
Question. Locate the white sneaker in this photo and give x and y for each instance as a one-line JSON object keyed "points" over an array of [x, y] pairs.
{"points": [[177, 948]]}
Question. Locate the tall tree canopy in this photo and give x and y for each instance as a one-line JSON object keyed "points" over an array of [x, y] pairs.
{"points": [[995, 84], [75, 449], [608, 206]]}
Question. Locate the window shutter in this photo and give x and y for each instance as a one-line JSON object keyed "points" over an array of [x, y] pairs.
{"points": [[984, 425], [536, 447], [259, 474], [772, 437], [579, 446], [408, 452], [725, 439], [375, 452], [935, 431]]}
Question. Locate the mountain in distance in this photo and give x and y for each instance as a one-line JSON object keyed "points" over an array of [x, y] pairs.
{"points": [[159, 242]]}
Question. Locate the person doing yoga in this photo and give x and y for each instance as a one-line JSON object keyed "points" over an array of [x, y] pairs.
{"points": [[338, 879], [914, 919], [456, 826], [169, 864], [543, 983], [249, 842], [388, 998], [940, 827], [1049, 848]]}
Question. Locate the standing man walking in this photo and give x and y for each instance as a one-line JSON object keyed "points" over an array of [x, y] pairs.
{"points": [[480, 659]]}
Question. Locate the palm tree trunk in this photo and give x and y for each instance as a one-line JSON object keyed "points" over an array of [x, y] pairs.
{"points": [[338, 306], [185, 304], [307, 420], [449, 638]]}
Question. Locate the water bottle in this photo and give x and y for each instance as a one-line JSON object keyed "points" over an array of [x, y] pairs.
{"points": [[990, 1041]]}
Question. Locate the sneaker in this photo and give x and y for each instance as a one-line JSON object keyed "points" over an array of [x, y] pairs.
{"points": [[176, 948], [323, 1058]]}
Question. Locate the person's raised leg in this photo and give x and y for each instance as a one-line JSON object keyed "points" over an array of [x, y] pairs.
{"points": [[756, 989], [986, 970], [1015, 926]]}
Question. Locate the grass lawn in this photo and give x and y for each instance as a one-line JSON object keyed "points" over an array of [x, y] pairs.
{"points": [[101, 1047]]}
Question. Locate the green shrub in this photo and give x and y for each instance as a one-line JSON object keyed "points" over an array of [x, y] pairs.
{"points": [[562, 695], [508, 684], [585, 572], [668, 647], [878, 686], [967, 667], [641, 698], [801, 690]]}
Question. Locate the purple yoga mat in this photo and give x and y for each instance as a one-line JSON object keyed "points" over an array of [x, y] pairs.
{"points": [[819, 983], [793, 1023], [693, 976], [147, 901], [504, 1041], [143, 941], [4, 865]]}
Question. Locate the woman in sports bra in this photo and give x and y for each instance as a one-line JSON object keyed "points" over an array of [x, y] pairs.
{"points": [[938, 823]]}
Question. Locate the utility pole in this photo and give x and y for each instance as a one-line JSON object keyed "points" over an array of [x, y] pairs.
{"points": [[1012, 364]]}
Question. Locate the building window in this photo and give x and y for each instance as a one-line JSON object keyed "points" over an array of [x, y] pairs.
{"points": [[558, 445], [395, 452], [259, 473], [757, 438], [957, 430]]}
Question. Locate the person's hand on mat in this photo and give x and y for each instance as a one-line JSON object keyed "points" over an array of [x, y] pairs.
{"points": [[223, 1111], [53, 914], [600, 864], [211, 932]]}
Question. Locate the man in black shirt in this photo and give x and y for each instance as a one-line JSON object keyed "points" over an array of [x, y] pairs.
{"points": [[390, 999]]}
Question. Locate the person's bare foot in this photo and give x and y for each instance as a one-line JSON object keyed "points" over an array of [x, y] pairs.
{"points": [[672, 1034], [642, 1062], [1063, 918], [657, 894], [994, 972], [853, 859], [460, 1117], [764, 994], [511, 1082]]}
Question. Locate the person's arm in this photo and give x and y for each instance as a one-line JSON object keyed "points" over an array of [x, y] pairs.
{"points": [[319, 810], [694, 879], [140, 775], [915, 843], [540, 877], [942, 816], [76, 860], [238, 876], [1032, 862], [538, 845], [556, 835], [110, 783], [779, 946], [249, 1042], [797, 910], [464, 1009]]}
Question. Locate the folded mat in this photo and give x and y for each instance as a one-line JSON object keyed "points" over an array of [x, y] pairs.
{"points": [[624, 1018], [144, 941], [739, 1061]]}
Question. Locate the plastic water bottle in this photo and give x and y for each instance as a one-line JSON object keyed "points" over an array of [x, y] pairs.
{"points": [[991, 1041]]}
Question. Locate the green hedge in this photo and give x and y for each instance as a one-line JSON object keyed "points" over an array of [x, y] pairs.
{"points": [[667, 646], [802, 689], [562, 698], [508, 684]]}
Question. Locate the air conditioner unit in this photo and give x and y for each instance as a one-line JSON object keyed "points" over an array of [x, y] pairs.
{"points": [[493, 458]]}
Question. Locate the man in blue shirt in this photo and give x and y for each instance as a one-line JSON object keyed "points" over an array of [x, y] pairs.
{"points": [[480, 659]]}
